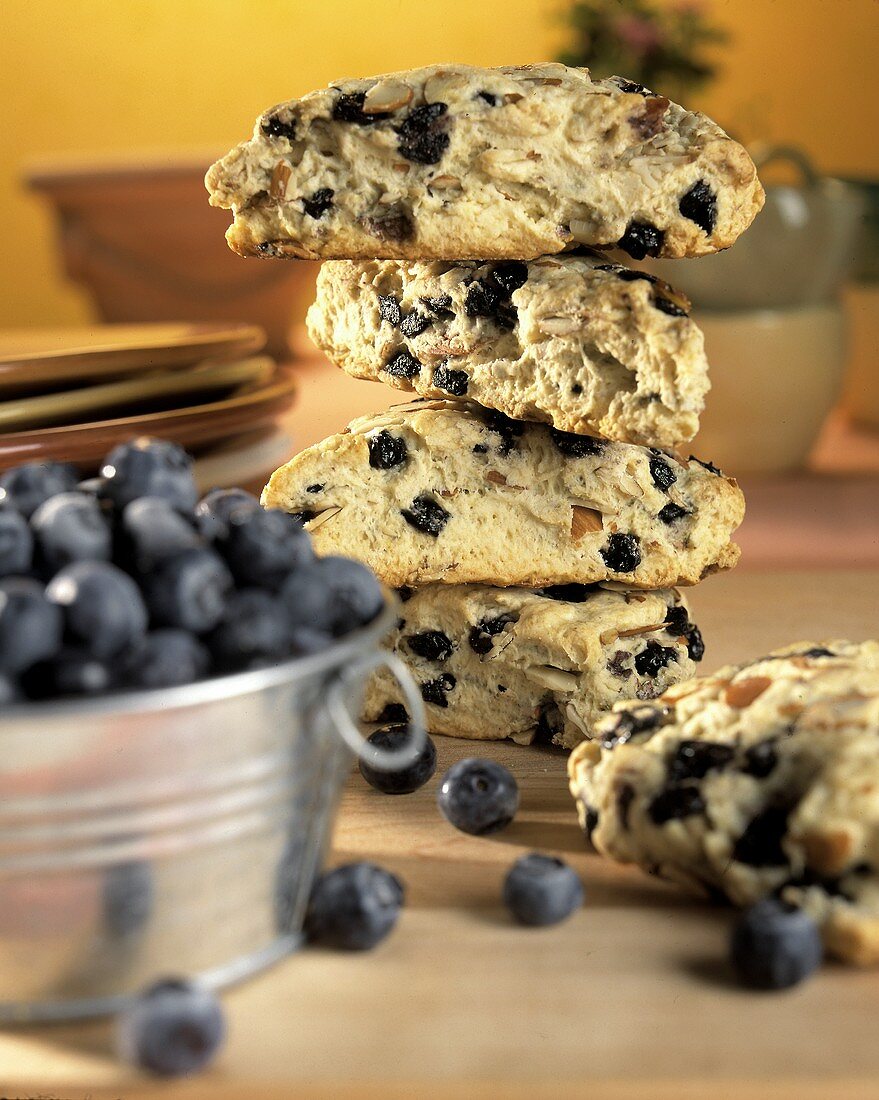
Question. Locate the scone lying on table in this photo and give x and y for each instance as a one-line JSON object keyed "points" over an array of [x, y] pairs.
{"points": [[761, 779], [447, 491], [534, 664], [452, 161], [569, 340]]}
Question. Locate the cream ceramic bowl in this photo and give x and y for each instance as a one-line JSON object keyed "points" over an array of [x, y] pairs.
{"points": [[775, 375]]}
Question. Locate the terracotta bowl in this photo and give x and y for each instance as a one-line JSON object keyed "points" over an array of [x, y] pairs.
{"points": [[143, 241]]}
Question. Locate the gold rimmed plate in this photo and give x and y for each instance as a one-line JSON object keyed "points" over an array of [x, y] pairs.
{"points": [[144, 393], [35, 360], [194, 427]]}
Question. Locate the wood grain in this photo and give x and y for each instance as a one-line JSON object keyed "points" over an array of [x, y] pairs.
{"points": [[629, 998]]}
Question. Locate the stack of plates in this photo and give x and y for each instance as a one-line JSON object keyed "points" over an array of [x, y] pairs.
{"points": [[72, 394]]}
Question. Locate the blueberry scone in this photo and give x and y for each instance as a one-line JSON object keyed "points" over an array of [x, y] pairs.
{"points": [[534, 663], [448, 491], [454, 162], [762, 778], [573, 341]]}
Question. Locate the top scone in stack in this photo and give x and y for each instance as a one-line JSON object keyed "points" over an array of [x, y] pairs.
{"points": [[533, 505]]}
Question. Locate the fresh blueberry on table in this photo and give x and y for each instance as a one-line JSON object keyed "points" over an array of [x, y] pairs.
{"points": [[774, 945], [26, 487], [30, 625], [149, 468], [478, 796], [402, 780], [173, 1028], [16, 543], [263, 546], [70, 527], [353, 907], [541, 890], [332, 594], [103, 609], [214, 510]]}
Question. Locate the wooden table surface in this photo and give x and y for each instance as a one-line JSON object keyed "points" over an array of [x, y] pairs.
{"points": [[628, 998]]}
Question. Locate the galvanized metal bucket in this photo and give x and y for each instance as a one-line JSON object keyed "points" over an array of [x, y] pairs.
{"points": [[175, 831]]}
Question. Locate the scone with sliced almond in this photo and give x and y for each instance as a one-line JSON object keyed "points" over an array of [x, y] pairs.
{"points": [[458, 162], [761, 779], [451, 492], [534, 664], [588, 346]]}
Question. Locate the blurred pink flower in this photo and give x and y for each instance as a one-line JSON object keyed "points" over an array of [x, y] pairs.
{"points": [[639, 35]]}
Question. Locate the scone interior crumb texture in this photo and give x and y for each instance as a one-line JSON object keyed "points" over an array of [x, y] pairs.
{"points": [[446, 491], [762, 778], [456, 162], [542, 664], [588, 346]]}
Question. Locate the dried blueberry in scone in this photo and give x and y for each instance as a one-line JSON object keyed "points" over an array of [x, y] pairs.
{"points": [[573, 341], [758, 781], [476, 497], [453, 161], [534, 664]]}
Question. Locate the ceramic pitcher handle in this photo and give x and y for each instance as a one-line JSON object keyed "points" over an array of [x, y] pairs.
{"points": [[348, 686]]}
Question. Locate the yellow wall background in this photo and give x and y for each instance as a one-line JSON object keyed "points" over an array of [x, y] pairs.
{"points": [[91, 76]]}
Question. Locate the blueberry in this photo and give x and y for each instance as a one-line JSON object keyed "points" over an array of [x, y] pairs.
{"points": [[695, 759], [509, 276], [402, 365], [386, 451], [481, 636], [481, 300], [9, 692], [454, 382], [213, 511], [774, 945], [70, 527], [574, 592], [760, 760], [671, 513], [353, 907], [509, 430], [26, 487], [488, 97], [762, 842], [149, 468], [432, 645], [676, 802], [426, 515], [478, 796], [127, 897], [30, 625], [699, 204], [654, 657], [541, 890], [641, 239], [73, 671], [393, 713], [440, 306], [576, 446], [164, 658], [172, 1028], [662, 474], [422, 138], [189, 591], [262, 547], [332, 595], [152, 532], [254, 624], [389, 310], [414, 324], [349, 108], [404, 780], [631, 87], [622, 553], [317, 204], [103, 608], [695, 644], [274, 127], [16, 543], [304, 641], [623, 725], [435, 691], [667, 306]]}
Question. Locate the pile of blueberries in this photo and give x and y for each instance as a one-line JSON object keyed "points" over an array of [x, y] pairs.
{"points": [[129, 581]]}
